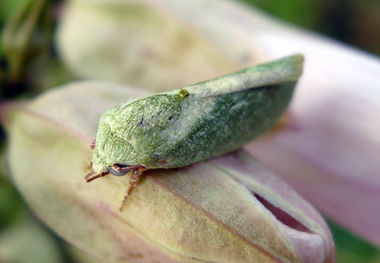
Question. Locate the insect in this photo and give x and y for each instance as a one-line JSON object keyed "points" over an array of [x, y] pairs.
{"points": [[194, 123]]}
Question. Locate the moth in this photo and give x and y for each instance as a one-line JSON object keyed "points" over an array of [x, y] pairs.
{"points": [[197, 122]]}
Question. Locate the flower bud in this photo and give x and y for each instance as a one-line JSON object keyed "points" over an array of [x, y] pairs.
{"points": [[133, 42], [330, 134], [227, 209]]}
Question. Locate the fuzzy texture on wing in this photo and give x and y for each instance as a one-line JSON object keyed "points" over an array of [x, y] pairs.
{"points": [[197, 122]]}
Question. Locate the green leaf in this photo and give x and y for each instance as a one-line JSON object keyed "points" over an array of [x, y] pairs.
{"points": [[351, 248]]}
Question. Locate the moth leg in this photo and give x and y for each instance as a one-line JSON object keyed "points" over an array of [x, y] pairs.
{"points": [[90, 176], [137, 172]]}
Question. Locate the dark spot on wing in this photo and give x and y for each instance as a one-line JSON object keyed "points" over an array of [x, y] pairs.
{"points": [[141, 121]]}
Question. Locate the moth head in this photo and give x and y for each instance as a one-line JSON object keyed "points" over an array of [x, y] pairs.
{"points": [[110, 149], [136, 133]]}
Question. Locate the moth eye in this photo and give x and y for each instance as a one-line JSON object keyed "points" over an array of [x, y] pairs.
{"points": [[116, 173]]}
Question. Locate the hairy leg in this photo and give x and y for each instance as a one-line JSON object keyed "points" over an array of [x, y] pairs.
{"points": [[90, 176], [133, 180]]}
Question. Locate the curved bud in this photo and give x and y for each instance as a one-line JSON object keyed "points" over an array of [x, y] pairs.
{"points": [[328, 149], [132, 42], [228, 209]]}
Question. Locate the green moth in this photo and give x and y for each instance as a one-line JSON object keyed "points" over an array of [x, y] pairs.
{"points": [[194, 123]]}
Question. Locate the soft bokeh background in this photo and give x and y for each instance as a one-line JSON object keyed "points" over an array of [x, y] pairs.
{"points": [[353, 22]]}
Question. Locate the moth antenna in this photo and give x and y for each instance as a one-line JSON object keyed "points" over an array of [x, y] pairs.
{"points": [[88, 177], [89, 174]]}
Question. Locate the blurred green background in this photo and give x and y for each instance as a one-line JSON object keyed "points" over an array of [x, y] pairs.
{"points": [[356, 23]]}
